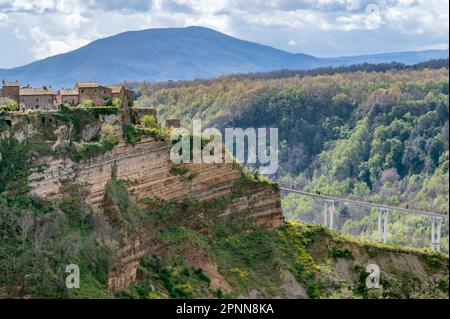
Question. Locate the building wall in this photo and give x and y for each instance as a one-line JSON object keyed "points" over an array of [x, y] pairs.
{"points": [[43, 102], [126, 96], [11, 92], [96, 95], [67, 99]]}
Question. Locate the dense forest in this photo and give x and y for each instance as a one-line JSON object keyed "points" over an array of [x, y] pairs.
{"points": [[374, 132]]}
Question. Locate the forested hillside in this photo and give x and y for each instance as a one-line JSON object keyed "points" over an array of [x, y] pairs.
{"points": [[378, 134]]}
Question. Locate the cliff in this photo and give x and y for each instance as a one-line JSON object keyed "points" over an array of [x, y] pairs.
{"points": [[145, 168], [96, 188]]}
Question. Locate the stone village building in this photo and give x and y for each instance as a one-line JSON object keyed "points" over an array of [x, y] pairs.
{"points": [[44, 98], [36, 98], [96, 93], [67, 96], [10, 90]]}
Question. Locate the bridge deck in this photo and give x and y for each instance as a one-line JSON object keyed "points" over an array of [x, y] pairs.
{"points": [[363, 203]]}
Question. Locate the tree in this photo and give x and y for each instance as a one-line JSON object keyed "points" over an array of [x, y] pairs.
{"points": [[116, 102], [8, 104]]}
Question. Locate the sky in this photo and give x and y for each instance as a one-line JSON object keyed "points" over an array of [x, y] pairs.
{"points": [[32, 30]]}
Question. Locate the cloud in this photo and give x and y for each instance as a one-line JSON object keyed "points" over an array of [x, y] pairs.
{"points": [[47, 45], [320, 27], [174, 6], [35, 6], [3, 17], [127, 7]]}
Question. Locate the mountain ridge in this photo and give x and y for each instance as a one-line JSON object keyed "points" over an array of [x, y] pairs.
{"points": [[180, 54]]}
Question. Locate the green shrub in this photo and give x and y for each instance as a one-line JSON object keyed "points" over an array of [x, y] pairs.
{"points": [[87, 103], [109, 138], [126, 212], [15, 165], [116, 102], [338, 252], [87, 150], [3, 124], [132, 134], [174, 170], [157, 133], [8, 105], [149, 121]]}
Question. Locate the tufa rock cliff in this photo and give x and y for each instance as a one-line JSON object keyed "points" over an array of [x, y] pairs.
{"points": [[146, 170]]}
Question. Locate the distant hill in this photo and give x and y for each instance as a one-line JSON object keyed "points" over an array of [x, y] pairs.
{"points": [[179, 54]]}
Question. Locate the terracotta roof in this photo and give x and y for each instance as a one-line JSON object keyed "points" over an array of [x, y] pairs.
{"points": [[87, 84], [35, 91], [68, 92], [5, 83]]}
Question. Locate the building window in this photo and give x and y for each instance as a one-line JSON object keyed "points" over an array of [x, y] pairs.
{"points": [[37, 100], [82, 91]]}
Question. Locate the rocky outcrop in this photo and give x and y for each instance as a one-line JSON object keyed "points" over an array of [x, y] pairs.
{"points": [[125, 269], [263, 204]]}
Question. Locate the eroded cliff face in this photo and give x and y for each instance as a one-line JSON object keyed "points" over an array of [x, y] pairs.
{"points": [[148, 173], [146, 169], [259, 204]]}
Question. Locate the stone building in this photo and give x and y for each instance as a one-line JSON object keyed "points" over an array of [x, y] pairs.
{"points": [[43, 98], [36, 98], [125, 95], [67, 96], [94, 92], [10, 90]]}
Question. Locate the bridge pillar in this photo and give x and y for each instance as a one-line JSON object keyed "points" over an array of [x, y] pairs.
{"points": [[386, 218], [325, 215], [436, 225], [328, 215], [432, 234], [438, 239], [380, 226], [331, 212], [383, 218]]}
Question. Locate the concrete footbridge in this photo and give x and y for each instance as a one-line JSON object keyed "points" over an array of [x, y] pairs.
{"points": [[383, 214]]}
